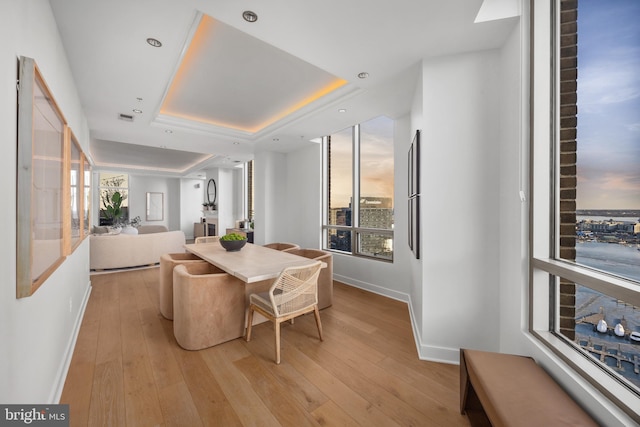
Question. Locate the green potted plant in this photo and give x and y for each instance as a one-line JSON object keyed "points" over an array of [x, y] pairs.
{"points": [[113, 206]]}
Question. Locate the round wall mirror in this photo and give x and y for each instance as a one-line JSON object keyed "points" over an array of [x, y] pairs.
{"points": [[212, 192]]}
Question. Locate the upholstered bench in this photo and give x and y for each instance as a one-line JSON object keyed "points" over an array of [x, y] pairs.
{"points": [[507, 390]]}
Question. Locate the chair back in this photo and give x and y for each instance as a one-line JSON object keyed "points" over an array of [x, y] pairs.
{"points": [[281, 246], [296, 288], [208, 239]]}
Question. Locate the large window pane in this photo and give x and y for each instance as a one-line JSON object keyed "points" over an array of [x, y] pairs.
{"points": [[379, 245], [339, 240], [340, 177], [608, 137], [376, 175], [586, 192], [359, 179], [110, 184], [606, 329]]}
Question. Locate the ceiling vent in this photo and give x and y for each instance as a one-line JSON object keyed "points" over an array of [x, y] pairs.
{"points": [[125, 117]]}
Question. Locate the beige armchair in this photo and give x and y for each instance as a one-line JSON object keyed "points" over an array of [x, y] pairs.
{"points": [[165, 285], [294, 293], [282, 246], [208, 306], [325, 281]]}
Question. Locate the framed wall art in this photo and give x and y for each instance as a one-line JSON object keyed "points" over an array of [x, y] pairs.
{"points": [[50, 170], [413, 203]]}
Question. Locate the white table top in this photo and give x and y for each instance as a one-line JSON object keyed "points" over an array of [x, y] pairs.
{"points": [[252, 263]]}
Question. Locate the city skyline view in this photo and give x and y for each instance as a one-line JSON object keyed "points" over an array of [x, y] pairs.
{"points": [[608, 131]]}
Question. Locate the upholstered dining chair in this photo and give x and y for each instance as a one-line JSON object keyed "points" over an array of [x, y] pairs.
{"points": [[208, 239], [293, 293], [281, 246]]}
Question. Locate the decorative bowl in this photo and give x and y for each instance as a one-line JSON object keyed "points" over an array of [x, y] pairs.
{"points": [[233, 245]]}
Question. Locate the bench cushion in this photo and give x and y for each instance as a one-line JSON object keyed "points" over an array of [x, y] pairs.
{"points": [[514, 390]]}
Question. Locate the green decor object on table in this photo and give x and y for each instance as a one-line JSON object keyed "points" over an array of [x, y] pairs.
{"points": [[233, 242]]}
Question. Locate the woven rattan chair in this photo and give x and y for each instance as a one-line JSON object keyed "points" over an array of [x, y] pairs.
{"points": [[294, 293], [208, 239]]}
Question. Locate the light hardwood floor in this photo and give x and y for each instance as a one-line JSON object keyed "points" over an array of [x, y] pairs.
{"points": [[128, 370]]}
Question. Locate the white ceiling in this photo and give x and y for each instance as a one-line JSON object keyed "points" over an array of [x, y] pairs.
{"points": [[241, 76]]}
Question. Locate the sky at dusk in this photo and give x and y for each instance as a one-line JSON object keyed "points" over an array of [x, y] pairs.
{"points": [[376, 162], [608, 104]]}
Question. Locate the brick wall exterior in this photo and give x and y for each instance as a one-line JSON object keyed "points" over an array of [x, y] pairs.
{"points": [[568, 122]]}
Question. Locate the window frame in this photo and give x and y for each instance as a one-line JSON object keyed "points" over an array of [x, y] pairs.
{"points": [[546, 268], [355, 230], [121, 189]]}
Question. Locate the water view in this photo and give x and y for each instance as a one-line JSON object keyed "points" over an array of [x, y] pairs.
{"points": [[613, 345]]}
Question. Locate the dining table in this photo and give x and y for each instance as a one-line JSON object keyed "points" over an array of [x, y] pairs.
{"points": [[253, 263]]}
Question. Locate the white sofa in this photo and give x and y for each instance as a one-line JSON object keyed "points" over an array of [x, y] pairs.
{"points": [[126, 250]]}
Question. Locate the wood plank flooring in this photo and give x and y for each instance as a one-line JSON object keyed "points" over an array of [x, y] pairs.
{"points": [[128, 370]]}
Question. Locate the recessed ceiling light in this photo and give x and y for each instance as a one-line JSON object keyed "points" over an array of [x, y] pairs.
{"points": [[249, 16], [137, 111], [236, 143], [342, 110], [168, 131], [363, 75], [154, 42]]}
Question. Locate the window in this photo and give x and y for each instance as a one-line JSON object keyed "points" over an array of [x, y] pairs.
{"points": [[86, 205], [112, 211], [359, 190], [585, 222]]}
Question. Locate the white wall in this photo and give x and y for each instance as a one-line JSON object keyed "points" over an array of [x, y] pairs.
{"points": [[416, 122], [513, 178], [140, 185], [272, 205], [460, 182], [192, 195], [304, 201], [36, 333]]}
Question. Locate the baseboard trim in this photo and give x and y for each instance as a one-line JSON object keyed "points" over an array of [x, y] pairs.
{"points": [[425, 352], [389, 293], [66, 361]]}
